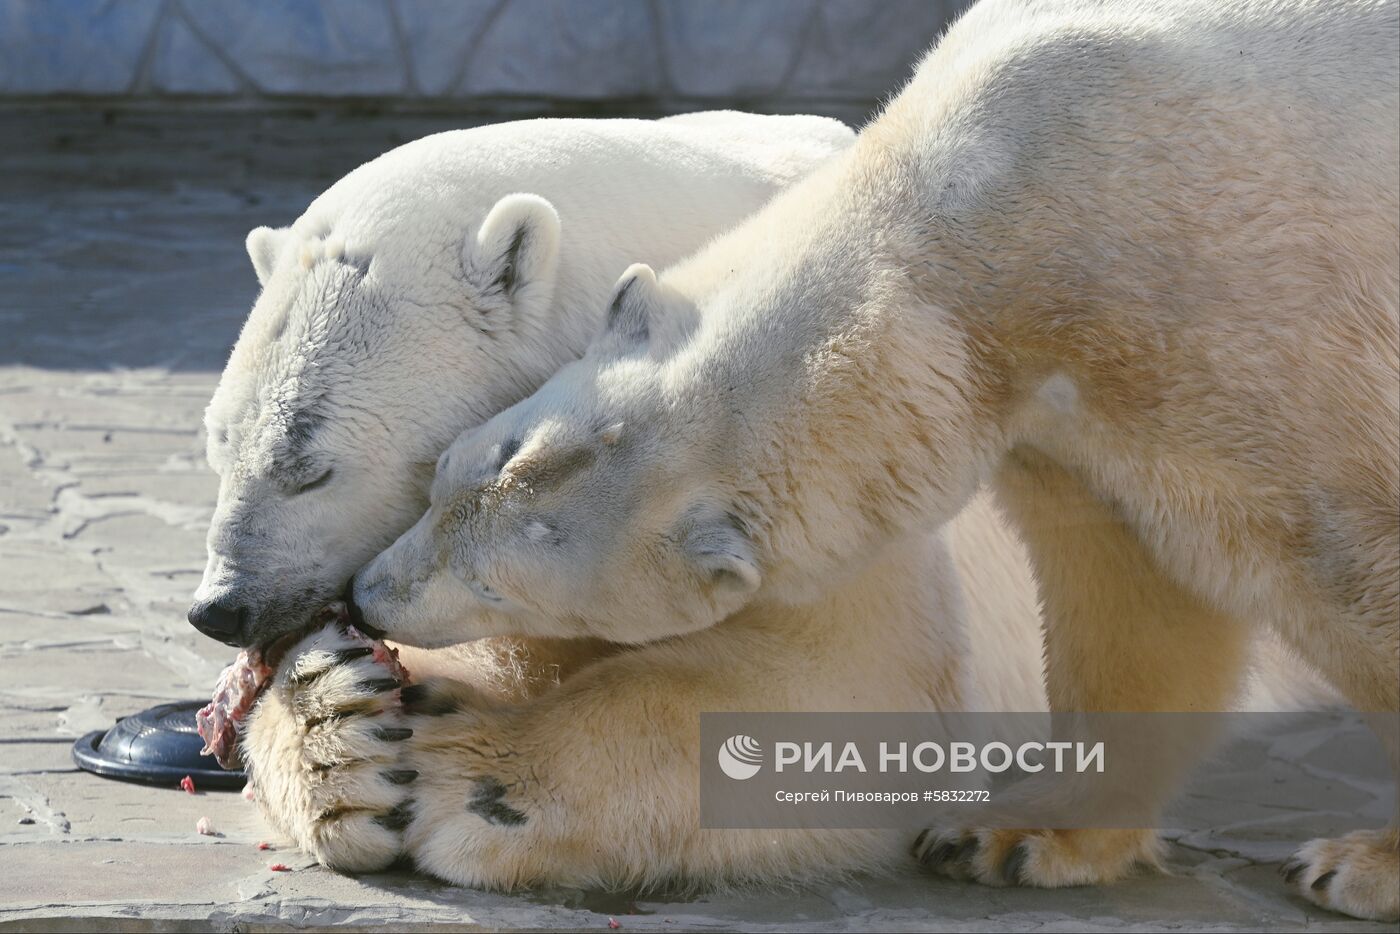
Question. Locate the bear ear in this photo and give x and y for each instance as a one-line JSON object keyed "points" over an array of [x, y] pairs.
{"points": [[264, 245], [635, 302], [723, 555], [515, 252]]}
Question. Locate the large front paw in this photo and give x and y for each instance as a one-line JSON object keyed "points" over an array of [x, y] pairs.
{"points": [[1039, 858], [1358, 874], [487, 815], [323, 749]]}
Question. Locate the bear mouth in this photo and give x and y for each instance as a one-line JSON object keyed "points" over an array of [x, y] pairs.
{"points": [[340, 612]]}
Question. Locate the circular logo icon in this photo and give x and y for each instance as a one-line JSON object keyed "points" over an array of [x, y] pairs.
{"points": [[740, 757]]}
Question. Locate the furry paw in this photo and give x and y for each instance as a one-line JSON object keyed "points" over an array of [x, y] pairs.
{"points": [[486, 815], [323, 748], [1358, 874], [1039, 858]]}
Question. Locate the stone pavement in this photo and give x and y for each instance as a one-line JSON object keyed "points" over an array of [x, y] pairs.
{"points": [[122, 285]]}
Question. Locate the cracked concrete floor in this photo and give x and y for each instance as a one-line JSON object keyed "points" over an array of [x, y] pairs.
{"points": [[122, 285]]}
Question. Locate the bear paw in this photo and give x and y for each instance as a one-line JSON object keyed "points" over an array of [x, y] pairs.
{"points": [[323, 749], [1039, 858], [1357, 875]]}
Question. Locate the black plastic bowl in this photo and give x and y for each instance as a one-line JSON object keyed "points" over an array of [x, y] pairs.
{"points": [[158, 746]]}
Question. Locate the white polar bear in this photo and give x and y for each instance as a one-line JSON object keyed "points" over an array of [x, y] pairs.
{"points": [[414, 299], [1136, 264]]}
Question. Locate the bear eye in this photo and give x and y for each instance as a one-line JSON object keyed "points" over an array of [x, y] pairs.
{"points": [[485, 591], [320, 481]]}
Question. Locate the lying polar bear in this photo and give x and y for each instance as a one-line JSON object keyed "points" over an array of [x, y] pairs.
{"points": [[418, 296], [1135, 263]]}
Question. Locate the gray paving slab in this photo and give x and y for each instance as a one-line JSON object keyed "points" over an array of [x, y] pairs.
{"points": [[122, 286]]}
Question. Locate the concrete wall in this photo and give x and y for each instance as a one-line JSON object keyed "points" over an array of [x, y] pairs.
{"points": [[455, 53]]}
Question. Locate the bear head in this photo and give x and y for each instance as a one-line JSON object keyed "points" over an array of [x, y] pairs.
{"points": [[584, 510]]}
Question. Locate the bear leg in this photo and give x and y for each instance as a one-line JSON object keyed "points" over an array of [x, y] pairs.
{"points": [[1119, 636]]}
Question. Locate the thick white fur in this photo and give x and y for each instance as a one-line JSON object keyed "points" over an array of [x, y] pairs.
{"points": [[380, 306], [1135, 264]]}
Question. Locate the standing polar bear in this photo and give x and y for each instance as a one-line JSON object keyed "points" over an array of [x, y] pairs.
{"points": [[1133, 263], [414, 299]]}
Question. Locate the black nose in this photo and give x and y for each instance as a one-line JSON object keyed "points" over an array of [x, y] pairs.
{"points": [[219, 620], [357, 618]]}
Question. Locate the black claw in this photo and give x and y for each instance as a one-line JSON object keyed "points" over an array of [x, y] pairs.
{"points": [[1290, 870], [940, 853], [1011, 870], [967, 849], [349, 655], [381, 685], [401, 776], [919, 844], [422, 699], [397, 819], [393, 734], [337, 658], [951, 852], [317, 721], [1321, 881]]}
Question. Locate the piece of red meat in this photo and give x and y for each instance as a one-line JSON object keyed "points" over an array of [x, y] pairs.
{"points": [[238, 687], [240, 684]]}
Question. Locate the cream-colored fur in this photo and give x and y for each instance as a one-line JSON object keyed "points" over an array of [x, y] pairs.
{"points": [[1135, 263], [586, 773]]}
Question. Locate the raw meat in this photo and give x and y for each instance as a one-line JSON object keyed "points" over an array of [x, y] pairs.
{"points": [[238, 687], [237, 690]]}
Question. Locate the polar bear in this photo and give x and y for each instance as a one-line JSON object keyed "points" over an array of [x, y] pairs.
{"points": [[1134, 264], [424, 292]]}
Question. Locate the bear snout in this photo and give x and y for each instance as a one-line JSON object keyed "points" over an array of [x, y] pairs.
{"points": [[223, 619]]}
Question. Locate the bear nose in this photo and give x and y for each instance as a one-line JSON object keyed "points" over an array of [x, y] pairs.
{"points": [[219, 620], [357, 618]]}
